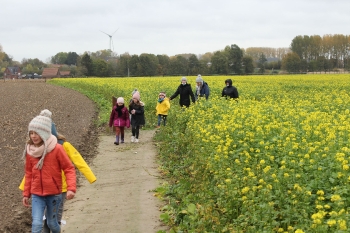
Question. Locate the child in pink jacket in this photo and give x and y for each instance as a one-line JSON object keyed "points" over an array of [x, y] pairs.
{"points": [[120, 119]]}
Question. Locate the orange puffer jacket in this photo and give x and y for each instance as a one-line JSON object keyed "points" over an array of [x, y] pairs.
{"points": [[48, 180]]}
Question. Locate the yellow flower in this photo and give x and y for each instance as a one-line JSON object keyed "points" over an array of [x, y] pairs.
{"points": [[342, 224], [320, 193], [331, 222], [335, 198], [245, 190], [299, 231]]}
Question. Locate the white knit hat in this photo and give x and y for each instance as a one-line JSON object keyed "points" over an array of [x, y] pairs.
{"points": [[120, 100], [42, 126]]}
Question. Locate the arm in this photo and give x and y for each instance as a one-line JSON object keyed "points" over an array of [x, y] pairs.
{"points": [[68, 169], [140, 111], [177, 92], [192, 95], [111, 117], [79, 162], [28, 178], [207, 92], [223, 92]]}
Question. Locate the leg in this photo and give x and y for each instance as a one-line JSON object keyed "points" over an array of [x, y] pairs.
{"points": [[53, 203], [117, 133], [159, 119], [122, 134], [164, 119], [60, 208], [38, 208], [133, 132], [137, 133]]}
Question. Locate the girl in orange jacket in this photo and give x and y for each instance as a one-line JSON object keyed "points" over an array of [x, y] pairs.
{"points": [[44, 161]]}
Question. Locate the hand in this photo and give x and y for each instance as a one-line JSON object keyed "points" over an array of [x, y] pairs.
{"points": [[25, 201], [133, 111], [70, 195]]}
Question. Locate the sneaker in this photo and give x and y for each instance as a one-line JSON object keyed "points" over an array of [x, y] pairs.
{"points": [[132, 138], [136, 140]]}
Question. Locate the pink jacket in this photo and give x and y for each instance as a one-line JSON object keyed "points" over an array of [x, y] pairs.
{"points": [[123, 121]]}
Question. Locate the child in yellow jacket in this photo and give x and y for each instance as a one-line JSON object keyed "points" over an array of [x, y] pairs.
{"points": [[163, 106]]}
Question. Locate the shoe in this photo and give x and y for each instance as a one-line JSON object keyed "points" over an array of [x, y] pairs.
{"points": [[116, 143], [122, 141], [136, 140], [132, 138]]}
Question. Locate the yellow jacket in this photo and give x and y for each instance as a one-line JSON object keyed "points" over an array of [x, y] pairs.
{"points": [[163, 107], [79, 163]]}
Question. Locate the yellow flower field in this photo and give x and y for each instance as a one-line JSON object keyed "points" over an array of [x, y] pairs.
{"points": [[275, 161]]}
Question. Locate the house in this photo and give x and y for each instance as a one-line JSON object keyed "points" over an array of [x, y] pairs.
{"points": [[12, 72], [50, 73], [65, 73]]}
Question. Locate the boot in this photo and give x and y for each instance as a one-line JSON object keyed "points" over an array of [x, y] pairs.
{"points": [[122, 138], [116, 140]]}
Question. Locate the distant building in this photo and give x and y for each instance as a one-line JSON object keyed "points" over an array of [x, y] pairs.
{"points": [[65, 73], [12, 72], [50, 73]]}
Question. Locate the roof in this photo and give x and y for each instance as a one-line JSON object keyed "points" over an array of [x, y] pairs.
{"points": [[65, 72], [50, 72]]}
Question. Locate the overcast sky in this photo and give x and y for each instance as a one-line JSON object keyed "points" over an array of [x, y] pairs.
{"points": [[41, 28]]}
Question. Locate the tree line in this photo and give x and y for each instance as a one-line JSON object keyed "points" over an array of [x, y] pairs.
{"points": [[316, 53], [305, 54]]}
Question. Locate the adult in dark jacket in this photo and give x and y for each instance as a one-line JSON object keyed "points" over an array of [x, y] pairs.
{"points": [[185, 92], [202, 88], [229, 90]]}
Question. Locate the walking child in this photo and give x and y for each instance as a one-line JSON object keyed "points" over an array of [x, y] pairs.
{"points": [[163, 106], [120, 119], [137, 111], [45, 159], [78, 162]]}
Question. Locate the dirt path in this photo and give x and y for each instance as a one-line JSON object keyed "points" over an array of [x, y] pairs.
{"points": [[121, 199]]}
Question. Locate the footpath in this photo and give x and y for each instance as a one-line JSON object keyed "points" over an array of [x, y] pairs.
{"points": [[121, 200]]}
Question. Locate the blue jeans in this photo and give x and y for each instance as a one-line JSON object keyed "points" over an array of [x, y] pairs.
{"points": [[51, 203], [160, 117], [46, 228]]}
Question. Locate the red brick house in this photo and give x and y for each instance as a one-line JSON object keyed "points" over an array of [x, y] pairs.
{"points": [[12, 72], [50, 73]]}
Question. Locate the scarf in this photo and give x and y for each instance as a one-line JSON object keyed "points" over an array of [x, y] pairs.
{"points": [[160, 100], [198, 89], [42, 150], [119, 110]]}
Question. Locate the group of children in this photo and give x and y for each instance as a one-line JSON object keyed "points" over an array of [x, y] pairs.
{"points": [[122, 117]]}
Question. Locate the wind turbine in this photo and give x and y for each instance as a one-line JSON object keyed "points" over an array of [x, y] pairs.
{"points": [[110, 39]]}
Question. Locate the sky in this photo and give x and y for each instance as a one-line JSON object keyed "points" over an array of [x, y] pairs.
{"points": [[41, 29]]}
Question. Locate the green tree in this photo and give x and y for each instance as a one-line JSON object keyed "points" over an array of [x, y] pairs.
{"points": [[163, 65], [72, 58], [100, 68], [193, 65], [86, 61], [248, 66], [261, 63], [291, 63], [219, 63], [149, 64], [59, 58], [235, 56]]}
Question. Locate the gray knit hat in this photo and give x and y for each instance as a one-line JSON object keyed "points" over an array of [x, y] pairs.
{"points": [[199, 79], [184, 79], [42, 126]]}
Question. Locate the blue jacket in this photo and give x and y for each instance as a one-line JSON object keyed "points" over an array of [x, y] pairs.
{"points": [[204, 91]]}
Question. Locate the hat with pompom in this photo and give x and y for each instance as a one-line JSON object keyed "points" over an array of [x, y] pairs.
{"points": [[136, 95], [199, 79], [42, 126], [120, 100]]}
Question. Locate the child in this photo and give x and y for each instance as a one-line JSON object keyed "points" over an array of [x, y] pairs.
{"points": [[77, 160], [45, 159], [136, 109], [119, 118], [163, 106]]}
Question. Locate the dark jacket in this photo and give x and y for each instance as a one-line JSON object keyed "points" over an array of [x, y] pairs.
{"points": [[230, 91], [205, 91], [185, 92], [138, 118]]}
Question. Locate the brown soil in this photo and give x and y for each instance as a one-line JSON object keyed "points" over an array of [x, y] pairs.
{"points": [[75, 116]]}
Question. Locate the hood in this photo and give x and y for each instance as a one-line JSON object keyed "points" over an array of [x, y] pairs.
{"points": [[229, 81]]}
